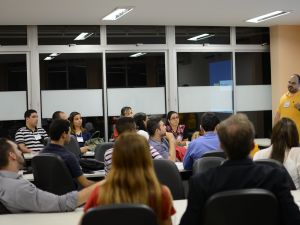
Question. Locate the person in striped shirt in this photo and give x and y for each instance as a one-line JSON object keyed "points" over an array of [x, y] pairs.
{"points": [[31, 138], [125, 124]]}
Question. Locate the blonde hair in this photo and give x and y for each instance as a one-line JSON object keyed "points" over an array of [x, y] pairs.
{"points": [[132, 178]]}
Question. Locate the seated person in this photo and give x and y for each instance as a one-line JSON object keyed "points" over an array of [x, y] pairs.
{"points": [[60, 134], [81, 134], [178, 130], [19, 195], [284, 138], [141, 124], [238, 172], [125, 124], [208, 142], [126, 111], [160, 139], [31, 138], [133, 182]]}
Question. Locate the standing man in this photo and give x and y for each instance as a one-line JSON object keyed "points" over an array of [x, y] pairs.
{"points": [[30, 138], [289, 105]]}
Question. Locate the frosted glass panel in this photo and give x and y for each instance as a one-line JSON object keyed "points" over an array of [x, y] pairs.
{"points": [[205, 99], [147, 100], [87, 102], [13, 105], [253, 97]]}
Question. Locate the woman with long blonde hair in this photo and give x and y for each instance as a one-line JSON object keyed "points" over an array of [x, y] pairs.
{"points": [[132, 179]]}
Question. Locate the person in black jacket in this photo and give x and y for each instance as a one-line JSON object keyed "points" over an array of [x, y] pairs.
{"points": [[237, 139]]}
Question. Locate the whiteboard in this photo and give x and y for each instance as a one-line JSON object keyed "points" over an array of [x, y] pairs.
{"points": [[13, 105], [86, 102], [147, 100], [253, 97], [205, 99]]}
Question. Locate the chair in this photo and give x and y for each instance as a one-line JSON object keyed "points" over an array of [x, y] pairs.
{"points": [[3, 209], [246, 207], [215, 154], [168, 174], [116, 214], [100, 150], [206, 163], [51, 174], [276, 164]]}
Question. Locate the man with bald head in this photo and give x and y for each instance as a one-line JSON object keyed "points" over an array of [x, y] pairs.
{"points": [[289, 105]]}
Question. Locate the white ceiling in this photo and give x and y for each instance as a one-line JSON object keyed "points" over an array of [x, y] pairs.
{"points": [[151, 12]]}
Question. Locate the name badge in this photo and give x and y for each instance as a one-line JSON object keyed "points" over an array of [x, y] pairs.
{"points": [[80, 139], [286, 104], [37, 137]]}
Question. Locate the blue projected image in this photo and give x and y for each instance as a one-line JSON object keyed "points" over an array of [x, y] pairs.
{"points": [[220, 73]]}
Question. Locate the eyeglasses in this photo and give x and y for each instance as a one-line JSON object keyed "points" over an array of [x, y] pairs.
{"points": [[174, 118]]}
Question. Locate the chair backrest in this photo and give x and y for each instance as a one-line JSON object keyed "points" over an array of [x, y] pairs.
{"points": [[116, 214], [206, 163], [100, 150], [246, 207], [3, 209], [215, 154], [276, 164], [51, 174], [168, 174]]}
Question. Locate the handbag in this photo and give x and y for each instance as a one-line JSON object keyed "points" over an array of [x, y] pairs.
{"points": [[94, 141]]}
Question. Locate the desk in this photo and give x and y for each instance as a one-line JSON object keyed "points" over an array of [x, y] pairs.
{"points": [[96, 174], [69, 218], [29, 156], [262, 142]]}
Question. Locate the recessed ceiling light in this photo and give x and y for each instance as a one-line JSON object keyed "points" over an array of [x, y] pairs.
{"points": [[48, 58], [83, 36], [55, 54], [118, 13], [267, 16], [201, 37], [138, 54]]}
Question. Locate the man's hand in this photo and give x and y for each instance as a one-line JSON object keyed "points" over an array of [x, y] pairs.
{"points": [[170, 137], [297, 105]]}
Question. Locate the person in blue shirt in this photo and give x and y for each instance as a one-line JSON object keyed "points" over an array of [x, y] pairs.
{"points": [[208, 142]]}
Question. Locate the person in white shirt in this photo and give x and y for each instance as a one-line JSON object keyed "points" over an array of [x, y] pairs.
{"points": [[284, 148]]}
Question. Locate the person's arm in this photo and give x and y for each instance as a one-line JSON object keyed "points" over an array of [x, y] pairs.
{"points": [[172, 151], [85, 193], [84, 182], [188, 160], [84, 149], [23, 148]]}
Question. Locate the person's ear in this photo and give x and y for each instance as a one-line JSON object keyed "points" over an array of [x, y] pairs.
{"points": [[12, 155]]}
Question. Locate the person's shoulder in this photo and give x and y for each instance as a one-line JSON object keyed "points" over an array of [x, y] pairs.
{"points": [[262, 154], [21, 129], [40, 129], [108, 152]]}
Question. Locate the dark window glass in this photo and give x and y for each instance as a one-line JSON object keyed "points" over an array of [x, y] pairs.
{"points": [[13, 35], [202, 35], [71, 71], [253, 68], [13, 72], [204, 68], [147, 70], [252, 35], [262, 121], [65, 35], [136, 35], [9, 128]]}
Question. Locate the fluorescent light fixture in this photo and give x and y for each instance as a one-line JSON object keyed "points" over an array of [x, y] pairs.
{"points": [[138, 54], [118, 13], [83, 36], [48, 58], [267, 16], [54, 54], [201, 37]]}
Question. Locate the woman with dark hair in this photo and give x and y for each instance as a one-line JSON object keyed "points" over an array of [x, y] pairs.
{"points": [[81, 134], [132, 180], [178, 130], [140, 120], [284, 140]]}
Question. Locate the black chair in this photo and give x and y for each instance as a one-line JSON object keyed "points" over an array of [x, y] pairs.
{"points": [[116, 214], [215, 154], [101, 149], [3, 209], [51, 174], [242, 207], [206, 163], [277, 164], [168, 174]]}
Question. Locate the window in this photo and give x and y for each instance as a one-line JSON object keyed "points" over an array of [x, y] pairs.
{"points": [[252, 35], [13, 35]]}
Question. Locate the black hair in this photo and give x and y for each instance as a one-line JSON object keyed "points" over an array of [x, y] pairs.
{"points": [[170, 113], [125, 124], [56, 115], [5, 148], [124, 110], [153, 124], [139, 119], [57, 128], [209, 121], [28, 113]]}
